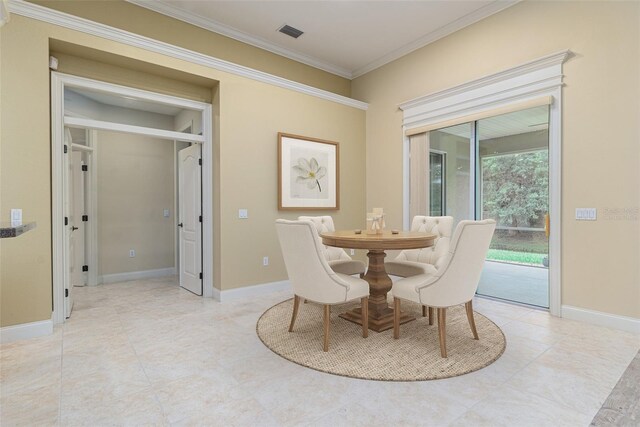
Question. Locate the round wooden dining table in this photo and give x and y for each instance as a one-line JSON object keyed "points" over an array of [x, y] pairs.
{"points": [[380, 315]]}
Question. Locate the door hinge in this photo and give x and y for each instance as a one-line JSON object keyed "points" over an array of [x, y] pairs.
{"points": [[200, 162], [200, 276], [200, 218], [85, 268], [66, 293], [85, 168], [65, 149], [66, 220], [85, 218]]}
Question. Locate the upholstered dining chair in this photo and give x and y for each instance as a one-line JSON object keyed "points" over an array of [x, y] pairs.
{"points": [[337, 258], [454, 283], [412, 262], [313, 279]]}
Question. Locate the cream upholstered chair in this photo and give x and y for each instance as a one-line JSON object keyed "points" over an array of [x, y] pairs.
{"points": [[455, 283], [338, 259], [411, 262], [311, 276]]}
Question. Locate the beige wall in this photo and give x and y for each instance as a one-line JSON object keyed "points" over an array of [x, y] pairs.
{"points": [[601, 111], [135, 184], [129, 17], [247, 117]]}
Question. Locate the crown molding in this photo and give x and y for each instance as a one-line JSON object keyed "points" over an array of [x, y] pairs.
{"points": [[227, 31], [44, 14], [551, 60], [433, 36]]}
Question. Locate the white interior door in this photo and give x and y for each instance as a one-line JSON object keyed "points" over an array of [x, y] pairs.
{"points": [[78, 276], [69, 252], [189, 218]]}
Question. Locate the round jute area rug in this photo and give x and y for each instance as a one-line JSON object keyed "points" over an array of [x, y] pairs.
{"points": [[413, 357]]}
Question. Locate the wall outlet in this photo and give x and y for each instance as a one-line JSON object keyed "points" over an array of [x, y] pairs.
{"points": [[243, 213], [165, 213], [16, 217], [132, 253], [265, 261], [352, 251]]}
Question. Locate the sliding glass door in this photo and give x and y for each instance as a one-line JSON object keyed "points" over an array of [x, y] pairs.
{"points": [[513, 188], [498, 168]]}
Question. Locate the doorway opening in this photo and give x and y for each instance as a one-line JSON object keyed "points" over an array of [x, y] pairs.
{"points": [[148, 131]]}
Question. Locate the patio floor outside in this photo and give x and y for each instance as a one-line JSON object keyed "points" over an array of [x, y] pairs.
{"points": [[513, 282]]}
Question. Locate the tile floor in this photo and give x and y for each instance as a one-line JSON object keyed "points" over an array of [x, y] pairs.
{"points": [[149, 353]]}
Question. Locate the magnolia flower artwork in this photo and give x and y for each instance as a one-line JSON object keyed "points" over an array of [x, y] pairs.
{"points": [[308, 173]]}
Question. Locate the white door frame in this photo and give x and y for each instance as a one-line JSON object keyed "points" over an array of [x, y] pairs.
{"points": [[517, 85], [58, 122]]}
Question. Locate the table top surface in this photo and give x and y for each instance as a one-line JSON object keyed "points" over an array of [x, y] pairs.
{"points": [[385, 240]]}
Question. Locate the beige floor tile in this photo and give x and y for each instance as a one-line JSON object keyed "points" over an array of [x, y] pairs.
{"points": [[149, 353], [197, 395], [30, 374], [304, 395], [231, 413], [510, 407], [38, 406], [562, 386], [407, 403], [134, 410], [531, 332]]}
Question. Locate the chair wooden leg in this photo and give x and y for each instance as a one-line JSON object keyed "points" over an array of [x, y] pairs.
{"points": [[469, 307], [296, 305], [327, 316], [424, 311], [442, 330], [365, 317], [431, 316], [396, 318]]}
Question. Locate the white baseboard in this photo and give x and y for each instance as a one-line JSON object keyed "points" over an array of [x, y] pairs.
{"points": [[25, 331], [248, 292], [137, 275], [623, 323]]}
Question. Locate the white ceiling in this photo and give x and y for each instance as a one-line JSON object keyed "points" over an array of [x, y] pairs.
{"points": [[347, 38]]}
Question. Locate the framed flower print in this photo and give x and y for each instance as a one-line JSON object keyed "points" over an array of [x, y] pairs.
{"points": [[308, 173]]}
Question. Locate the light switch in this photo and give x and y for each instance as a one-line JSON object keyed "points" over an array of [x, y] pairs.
{"points": [[586, 214], [166, 213], [243, 213]]}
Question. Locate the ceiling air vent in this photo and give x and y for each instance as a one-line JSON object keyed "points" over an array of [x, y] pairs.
{"points": [[290, 31]]}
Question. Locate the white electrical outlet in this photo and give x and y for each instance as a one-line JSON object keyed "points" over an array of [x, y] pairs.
{"points": [[132, 253], [265, 261], [165, 213], [353, 251], [243, 213], [16, 217]]}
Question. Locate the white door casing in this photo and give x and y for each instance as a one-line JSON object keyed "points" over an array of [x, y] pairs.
{"points": [[189, 213], [531, 80], [59, 82]]}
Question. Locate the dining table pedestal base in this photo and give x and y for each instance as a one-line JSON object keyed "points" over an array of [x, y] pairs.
{"points": [[378, 324], [380, 314]]}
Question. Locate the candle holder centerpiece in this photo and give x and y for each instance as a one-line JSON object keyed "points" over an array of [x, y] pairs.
{"points": [[375, 221]]}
